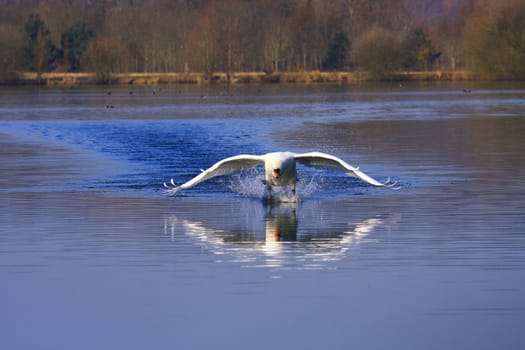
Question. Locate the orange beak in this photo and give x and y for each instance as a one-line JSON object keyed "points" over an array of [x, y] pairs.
{"points": [[276, 174]]}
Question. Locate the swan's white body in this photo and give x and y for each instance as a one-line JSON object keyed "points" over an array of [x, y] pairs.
{"points": [[279, 167]]}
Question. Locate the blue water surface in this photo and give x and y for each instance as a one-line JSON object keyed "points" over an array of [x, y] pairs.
{"points": [[94, 253]]}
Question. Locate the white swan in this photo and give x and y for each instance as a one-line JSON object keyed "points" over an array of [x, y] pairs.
{"points": [[280, 169]]}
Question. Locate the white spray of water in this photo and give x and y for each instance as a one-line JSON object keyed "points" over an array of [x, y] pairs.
{"points": [[251, 184]]}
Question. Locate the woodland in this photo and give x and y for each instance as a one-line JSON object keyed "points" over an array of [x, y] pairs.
{"points": [[485, 37]]}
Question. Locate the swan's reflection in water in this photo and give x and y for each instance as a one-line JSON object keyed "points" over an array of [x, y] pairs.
{"points": [[286, 235]]}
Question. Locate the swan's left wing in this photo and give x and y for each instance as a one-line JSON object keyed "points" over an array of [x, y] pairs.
{"points": [[223, 167], [327, 161]]}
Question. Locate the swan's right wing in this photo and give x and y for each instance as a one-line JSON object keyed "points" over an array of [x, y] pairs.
{"points": [[223, 167]]}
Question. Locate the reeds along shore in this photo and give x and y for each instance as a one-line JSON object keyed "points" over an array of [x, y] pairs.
{"points": [[72, 79]]}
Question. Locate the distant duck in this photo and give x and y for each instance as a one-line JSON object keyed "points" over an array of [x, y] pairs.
{"points": [[467, 91]]}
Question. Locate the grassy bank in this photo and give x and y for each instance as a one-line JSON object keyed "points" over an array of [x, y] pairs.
{"points": [[73, 79]]}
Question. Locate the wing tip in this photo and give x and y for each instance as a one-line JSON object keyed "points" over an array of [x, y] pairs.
{"points": [[392, 185], [171, 187]]}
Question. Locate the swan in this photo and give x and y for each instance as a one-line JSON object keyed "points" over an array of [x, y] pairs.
{"points": [[279, 167]]}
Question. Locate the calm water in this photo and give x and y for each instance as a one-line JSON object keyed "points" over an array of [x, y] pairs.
{"points": [[95, 255]]}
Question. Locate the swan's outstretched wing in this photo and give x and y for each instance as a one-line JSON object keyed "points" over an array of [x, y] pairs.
{"points": [[327, 161], [223, 167]]}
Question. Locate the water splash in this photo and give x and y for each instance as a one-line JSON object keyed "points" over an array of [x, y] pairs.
{"points": [[251, 184], [307, 186], [248, 183]]}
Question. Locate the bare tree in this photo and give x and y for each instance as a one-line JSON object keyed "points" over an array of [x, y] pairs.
{"points": [[495, 39], [10, 54], [276, 40], [202, 49], [378, 52]]}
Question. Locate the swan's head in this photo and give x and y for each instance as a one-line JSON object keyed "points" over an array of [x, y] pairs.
{"points": [[280, 168]]}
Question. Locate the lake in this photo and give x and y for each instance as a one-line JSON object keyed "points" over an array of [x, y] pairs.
{"points": [[95, 254]]}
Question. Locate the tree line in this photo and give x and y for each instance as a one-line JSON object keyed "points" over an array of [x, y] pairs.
{"points": [[376, 36]]}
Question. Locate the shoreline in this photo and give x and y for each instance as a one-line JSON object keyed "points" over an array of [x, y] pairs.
{"points": [[312, 77]]}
